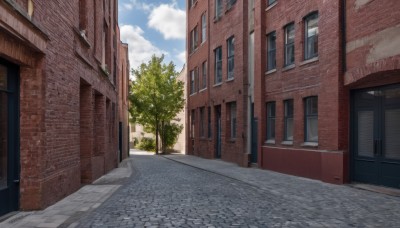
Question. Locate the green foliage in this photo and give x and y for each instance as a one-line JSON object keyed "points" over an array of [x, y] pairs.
{"points": [[156, 95], [172, 131], [147, 144]]}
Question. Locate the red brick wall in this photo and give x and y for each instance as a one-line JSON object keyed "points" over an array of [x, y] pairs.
{"points": [[320, 78], [232, 23], [52, 115], [373, 29]]}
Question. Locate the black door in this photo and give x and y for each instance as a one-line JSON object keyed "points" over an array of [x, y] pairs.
{"points": [[254, 134], [120, 140], [218, 128], [9, 143], [376, 136]]}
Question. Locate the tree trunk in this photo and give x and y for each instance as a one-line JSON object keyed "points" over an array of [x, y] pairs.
{"points": [[163, 137], [157, 136]]}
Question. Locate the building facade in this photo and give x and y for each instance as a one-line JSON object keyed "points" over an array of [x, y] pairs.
{"points": [[325, 87], [218, 99], [59, 70], [123, 102]]}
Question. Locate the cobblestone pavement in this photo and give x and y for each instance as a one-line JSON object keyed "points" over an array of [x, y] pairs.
{"points": [[165, 193]]}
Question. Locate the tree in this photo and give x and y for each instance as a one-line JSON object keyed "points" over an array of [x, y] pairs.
{"points": [[156, 96]]}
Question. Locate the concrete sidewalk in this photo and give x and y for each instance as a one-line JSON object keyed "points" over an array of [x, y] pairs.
{"points": [[69, 210]]}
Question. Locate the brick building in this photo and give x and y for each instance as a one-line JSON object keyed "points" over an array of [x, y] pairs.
{"points": [[326, 86], [219, 98], [123, 102], [59, 75]]}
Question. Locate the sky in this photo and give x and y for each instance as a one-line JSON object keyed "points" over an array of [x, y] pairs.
{"points": [[153, 27]]}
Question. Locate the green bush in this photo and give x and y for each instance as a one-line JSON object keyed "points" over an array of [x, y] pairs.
{"points": [[147, 144]]}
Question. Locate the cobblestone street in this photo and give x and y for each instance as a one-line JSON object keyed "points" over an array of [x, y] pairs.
{"points": [[164, 193]]}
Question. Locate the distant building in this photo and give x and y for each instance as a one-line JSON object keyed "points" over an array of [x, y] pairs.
{"points": [[60, 75], [322, 76]]}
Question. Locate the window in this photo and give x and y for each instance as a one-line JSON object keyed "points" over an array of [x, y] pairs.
{"points": [[271, 51], [311, 36], [288, 131], [231, 56], [196, 75], [192, 78], [209, 123], [270, 2], [204, 75], [193, 39], [192, 3], [230, 3], [289, 44], [202, 122], [218, 8], [271, 121], [311, 119], [192, 123], [218, 65], [232, 119], [83, 18], [203, 28]]}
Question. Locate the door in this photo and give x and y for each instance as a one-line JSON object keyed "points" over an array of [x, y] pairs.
{"points": [[9, 143], [218, 128], [254, 134], [120, 140], [376, 134]]}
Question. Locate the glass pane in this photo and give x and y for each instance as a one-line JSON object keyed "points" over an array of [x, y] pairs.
{"points": [[271, 128], [3, 140], [392, 134], [290, 34], [3, 77], [231, 66], [365, 133], [312, 129], [289, 54], [289, 129], [312, 26], [312, 106], [288, 108], [272, 41]]}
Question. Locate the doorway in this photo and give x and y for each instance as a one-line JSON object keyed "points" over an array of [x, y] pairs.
{"points": [[9, 137], [218, 129], [375, 136]]}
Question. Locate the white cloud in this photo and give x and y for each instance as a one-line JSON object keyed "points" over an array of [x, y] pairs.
{"points": [[182, 57], [140, 49], [136, 4], [169, 21]]}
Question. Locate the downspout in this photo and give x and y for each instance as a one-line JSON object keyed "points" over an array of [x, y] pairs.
{"points": [[343, 36]]}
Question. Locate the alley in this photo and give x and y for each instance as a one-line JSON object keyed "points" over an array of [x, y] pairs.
{"points": [[164, 193]]}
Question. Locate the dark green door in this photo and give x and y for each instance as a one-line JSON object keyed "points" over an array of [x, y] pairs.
{"points": [[9, 143], [376, 136]]}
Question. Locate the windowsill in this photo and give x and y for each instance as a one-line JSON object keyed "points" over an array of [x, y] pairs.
{"points": [[271, 6], [287, 143], [270, 71], [270, 141], [308, 61], [230, 80], [194, 51], [202, 90], [218, 84], [216, 19], [232, 140], [192, 94], [310, 144], [229, 8], [104, 71], [289, 67]]}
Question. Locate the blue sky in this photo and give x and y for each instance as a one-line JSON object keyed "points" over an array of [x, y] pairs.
{"points": [[153, 27]]}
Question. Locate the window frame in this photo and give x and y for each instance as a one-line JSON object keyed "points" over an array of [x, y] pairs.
{"points": [[209, 123], [270, 2], [204, 27], [271, 51], [193, 39], [230, 57], [288, 116], [204, 74], [218, 8], [192, 82], [307, 116], [307, 19], [192, 123], [218, 65], [287, 45], [270, 118]]}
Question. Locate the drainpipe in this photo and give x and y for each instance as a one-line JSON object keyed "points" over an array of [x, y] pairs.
{"points": [[343, 35]]}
